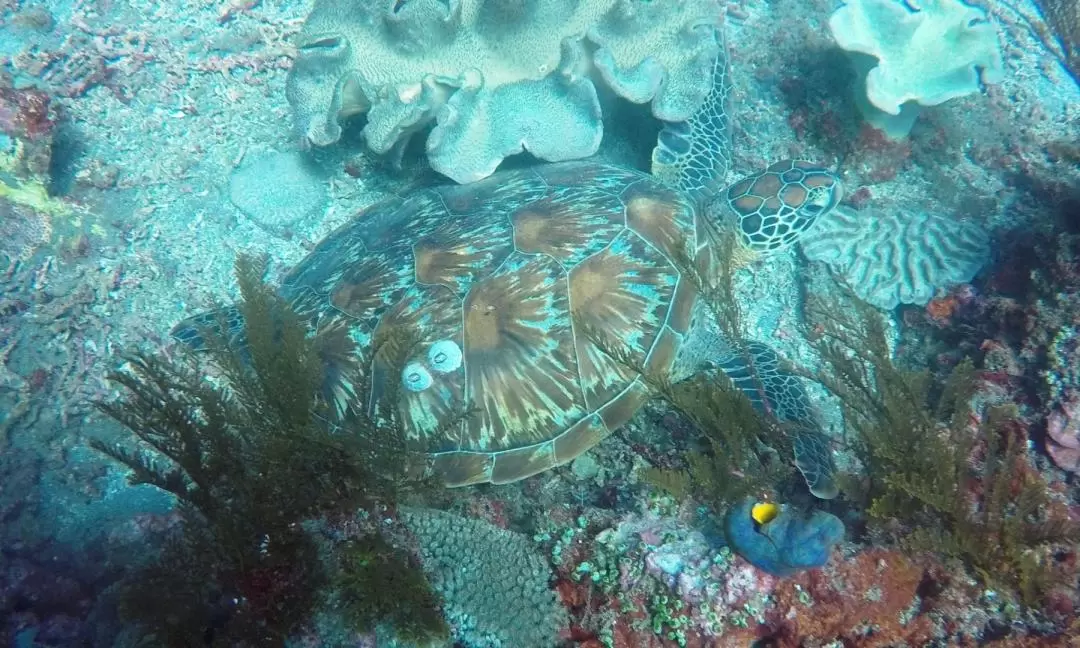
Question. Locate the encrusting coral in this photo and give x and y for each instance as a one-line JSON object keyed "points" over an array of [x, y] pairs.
{"points": [[497, 77]]}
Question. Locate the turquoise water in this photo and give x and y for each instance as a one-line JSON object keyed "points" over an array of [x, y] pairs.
{"points": [[613, 270]]}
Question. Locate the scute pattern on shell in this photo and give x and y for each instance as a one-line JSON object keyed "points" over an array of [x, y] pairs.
{"points": [[513, 270]]}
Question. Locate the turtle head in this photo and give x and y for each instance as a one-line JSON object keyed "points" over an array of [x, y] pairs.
{"points": [[772, 208]]}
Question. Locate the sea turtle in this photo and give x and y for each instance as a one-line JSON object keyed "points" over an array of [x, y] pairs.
{"points": [[503, 278]]}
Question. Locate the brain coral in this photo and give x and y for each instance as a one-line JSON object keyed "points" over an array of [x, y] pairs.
{"points": [[897, 257], [497, 77]]}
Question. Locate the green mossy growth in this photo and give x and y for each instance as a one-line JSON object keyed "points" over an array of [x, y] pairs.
{"points": [[377, 586], [234, 433], [743, 451], [953, 473]]}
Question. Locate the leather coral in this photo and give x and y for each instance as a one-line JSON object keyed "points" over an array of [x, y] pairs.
{"points": [[496, 77]]}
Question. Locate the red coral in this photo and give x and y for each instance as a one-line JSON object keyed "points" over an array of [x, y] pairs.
{"points": [[859, 601], [490, 510], [28, 117], [941, 309], [877, 158], [26, 114]]}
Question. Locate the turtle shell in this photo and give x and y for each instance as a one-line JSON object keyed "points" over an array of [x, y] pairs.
{"points": [[506, 283]]}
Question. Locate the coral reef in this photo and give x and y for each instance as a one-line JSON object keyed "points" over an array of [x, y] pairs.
{"points": [[496, 77], [23, 231], [870, 599], [1063, 430], [28, 120], [161, 102], [652, 579], [943, 460], [483, 572]]}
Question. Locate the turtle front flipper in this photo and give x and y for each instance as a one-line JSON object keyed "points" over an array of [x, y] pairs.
{"points": [[695, 155], [224, 324], [779, 394], [813, 458]]}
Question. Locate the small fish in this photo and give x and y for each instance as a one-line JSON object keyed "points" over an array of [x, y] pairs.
{"points": [[764, 512]]}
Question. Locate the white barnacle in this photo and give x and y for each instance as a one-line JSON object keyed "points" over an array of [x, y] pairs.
{"points": [[444, 356], [416, 377]]}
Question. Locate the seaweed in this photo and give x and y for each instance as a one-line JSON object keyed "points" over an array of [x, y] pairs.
{"points": [[742, 449], [951, 470], [735, 461], [377, 585], [236, 435]]}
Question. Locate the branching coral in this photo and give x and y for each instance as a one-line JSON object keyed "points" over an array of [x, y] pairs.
{"points": [[235, 437], [496, 77], [954, 473]]}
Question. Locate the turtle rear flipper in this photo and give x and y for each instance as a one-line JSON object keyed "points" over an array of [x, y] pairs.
{"points": [[695, 155]]}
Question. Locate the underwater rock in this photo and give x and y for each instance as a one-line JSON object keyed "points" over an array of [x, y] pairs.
{"points": [[278, 190], [779, 539]]}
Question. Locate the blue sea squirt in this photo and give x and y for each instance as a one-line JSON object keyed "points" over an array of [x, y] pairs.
{"points": [[780, 539]]}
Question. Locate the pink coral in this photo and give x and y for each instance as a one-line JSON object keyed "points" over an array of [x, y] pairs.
{"points": [[28, 117], [1063, 435], [745, 582], [23, 231]]}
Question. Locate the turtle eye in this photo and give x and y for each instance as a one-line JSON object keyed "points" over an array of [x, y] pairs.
{"points": [[823, 199], [416, 377], [444, 356]]}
